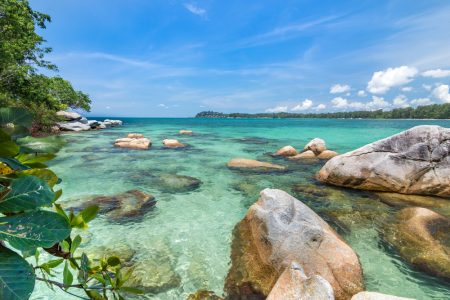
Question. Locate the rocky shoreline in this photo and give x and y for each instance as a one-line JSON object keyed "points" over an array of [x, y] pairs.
{"points": [[72, 121]]}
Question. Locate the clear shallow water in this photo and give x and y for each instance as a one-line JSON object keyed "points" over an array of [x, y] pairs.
{"points": [[189, 234]]}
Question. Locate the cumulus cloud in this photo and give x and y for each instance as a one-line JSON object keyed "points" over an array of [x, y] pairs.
{"points": [[321, 106], [407, 89], [339, 88], [442, 93], [277, 109], [377, 103], [437, 73], [421, 101], [361, 93], [195, 9], [162, 105], [306, 104], [427, 87], [383, 81], [340, 102], [400, 101]]}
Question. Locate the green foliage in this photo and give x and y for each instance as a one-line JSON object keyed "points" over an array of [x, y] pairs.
{"points": [[28, 224], [434, 111], [21, 57]]}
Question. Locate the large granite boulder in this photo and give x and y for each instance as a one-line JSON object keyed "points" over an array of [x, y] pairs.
{"points": [[422, 237], [133, 141], [316, 145], [244, 164], [286, 151], [293, 284], [73, 126], [308, 154], [279, 229], [68, 116], [376, 296], [415, 161]]}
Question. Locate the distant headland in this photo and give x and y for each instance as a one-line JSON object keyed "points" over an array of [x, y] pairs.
{"points": [[434, 111]]}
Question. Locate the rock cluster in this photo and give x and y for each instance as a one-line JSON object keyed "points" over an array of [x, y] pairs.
{"points": [[134, 141], [415, 161], [279, 230], [72, 121], [316, 148]]}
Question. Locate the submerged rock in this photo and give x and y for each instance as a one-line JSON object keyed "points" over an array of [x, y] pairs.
{"points": [[244, 164], [415, 161], [121, 250], [277, 230], [173, 183], [286, 151], [316, 145], [128, 205], [376, 296], [133, 141], [293, 284], [135, 135], [441, 205], [422, 237], [303, 155], [186, 132], [204, 295], [171, 143]]}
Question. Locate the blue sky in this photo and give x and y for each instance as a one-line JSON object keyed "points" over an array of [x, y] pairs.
{"points": [[167, 58]]}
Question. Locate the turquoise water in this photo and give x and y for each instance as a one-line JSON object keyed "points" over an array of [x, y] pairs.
{"points": [[188, 234]]}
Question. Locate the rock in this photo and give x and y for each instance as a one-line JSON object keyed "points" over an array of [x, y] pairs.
{"points": [[73, 126], [422, 237], [376, 296], [438, 204], [68, 116], [112, 123], [316, 145], [293, 284], [327, 154], [134, 142], [415, 161], [93, 124], [204, 295], [286, 151], [171, 143], [172, 183], [83, 120], [304, 155], [186, 132], [244, 164], [101, 125], [128, 205], [121, 250], [277, 230], [135, 136]]}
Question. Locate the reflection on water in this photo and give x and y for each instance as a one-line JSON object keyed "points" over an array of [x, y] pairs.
{"points": [[183, 244]]}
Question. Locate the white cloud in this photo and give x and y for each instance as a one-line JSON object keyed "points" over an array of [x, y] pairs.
{"points": [[361, 93], [321, 106], [383, 81], [195, 9], [407, 89], [339, 88], [306, 104], [437, 73], [162, 105], [340, 102], [401, 101], [427, 87], [421, 101], [277, 109], [377, 103], [442, 93]]}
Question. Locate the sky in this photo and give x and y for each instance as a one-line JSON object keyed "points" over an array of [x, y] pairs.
{"points": [[168, 58]]}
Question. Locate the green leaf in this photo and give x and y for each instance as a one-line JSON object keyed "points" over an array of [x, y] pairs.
{"points": [[34, 229], [75, 243], [27, 193], [113, 261], [16, 116], [8, 148], [67, 276], [84, 268], [13, 163], [58, 194], [52, 264], [16, 276], [132, 290], [26, 158], [45, 174], [89, 213], [78, 222], [49, 144], [94, 295]]}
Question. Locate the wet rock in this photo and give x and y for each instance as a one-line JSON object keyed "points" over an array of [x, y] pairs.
{"points": [[204, 295], [173, 183], [415, 161], [186, 132], [121, 250], [293, 284], [327, 154], [316, 145], [133, 141], [422, 237], [171, 143], [376, 296], [68, 116], [249, 189], [277, 230], [112, 123], [244, 164], [304, 155], [128, 205], [286, 151]]}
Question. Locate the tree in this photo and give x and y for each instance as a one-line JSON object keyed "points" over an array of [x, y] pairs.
{"points": [[31, 221], [22, 56]]}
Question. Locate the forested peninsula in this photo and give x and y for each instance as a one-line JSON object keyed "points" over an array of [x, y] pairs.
{"points": [[434, 111]]}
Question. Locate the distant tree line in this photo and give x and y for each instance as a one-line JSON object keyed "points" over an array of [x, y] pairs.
{"points": [[434, 111]]}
